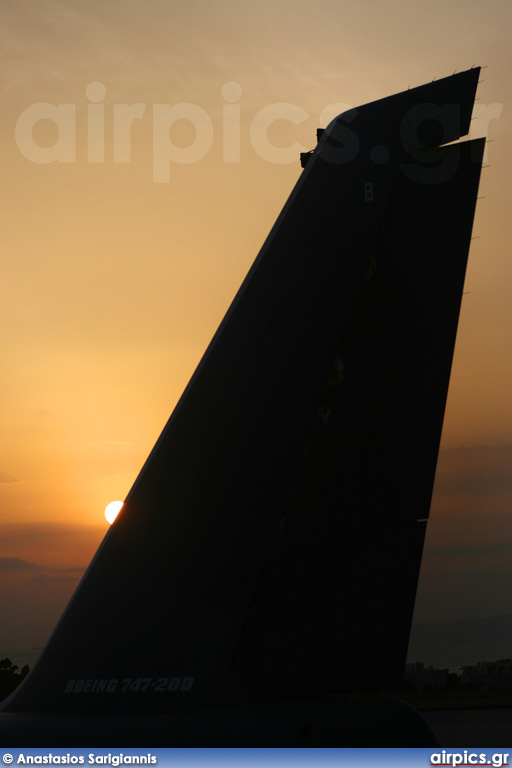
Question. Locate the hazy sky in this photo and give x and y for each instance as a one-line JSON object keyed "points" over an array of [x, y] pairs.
{"points": [[120, 259]]}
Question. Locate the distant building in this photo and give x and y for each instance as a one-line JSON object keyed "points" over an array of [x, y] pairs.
{"points": [[420, 678], [488, 675]]}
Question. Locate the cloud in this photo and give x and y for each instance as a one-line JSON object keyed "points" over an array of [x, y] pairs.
{"points": [[478, 469], [6, 477], [42, 578], [14, 533], [53, 546], [490, 549], [471, 630], [16, 564]]}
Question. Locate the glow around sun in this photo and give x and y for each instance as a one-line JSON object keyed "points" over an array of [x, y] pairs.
{"points": [[112, 510]]}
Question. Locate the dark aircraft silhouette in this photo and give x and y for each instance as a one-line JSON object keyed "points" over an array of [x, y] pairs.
{"points": [[259, 582]]}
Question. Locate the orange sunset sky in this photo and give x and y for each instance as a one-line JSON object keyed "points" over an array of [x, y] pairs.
{"points": [[122, 254]]}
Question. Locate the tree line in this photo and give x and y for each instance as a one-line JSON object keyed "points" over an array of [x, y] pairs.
{"points": [[10, 677]]}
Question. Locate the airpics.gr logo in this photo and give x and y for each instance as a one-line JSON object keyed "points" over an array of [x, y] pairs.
{"points": [[496, 760], [112, 123]]}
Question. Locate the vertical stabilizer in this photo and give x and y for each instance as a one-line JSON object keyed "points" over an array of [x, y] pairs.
{"points": [[271, 544]]}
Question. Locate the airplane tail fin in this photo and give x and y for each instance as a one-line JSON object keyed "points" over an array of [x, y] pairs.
{"points": [[271, 544]]}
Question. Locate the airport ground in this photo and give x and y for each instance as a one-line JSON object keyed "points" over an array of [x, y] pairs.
{"points": [[485, 728], [466, 718]]}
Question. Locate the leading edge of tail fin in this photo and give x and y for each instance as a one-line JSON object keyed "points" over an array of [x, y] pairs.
{"points": [[271, 544]]}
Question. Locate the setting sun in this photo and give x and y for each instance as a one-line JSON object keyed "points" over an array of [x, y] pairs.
{"points": [[112, 510]]}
